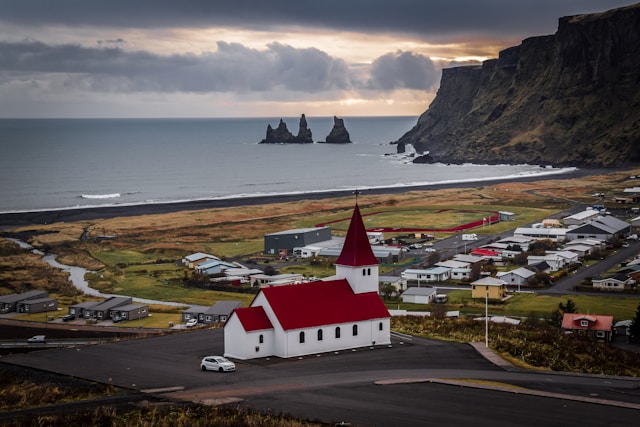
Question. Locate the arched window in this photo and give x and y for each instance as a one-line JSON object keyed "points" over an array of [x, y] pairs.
{"points": [[261, 339], [364, 271], [302, 337], [337, 331], [380, 327], [368, 272], [319, 334], [355, 330]]}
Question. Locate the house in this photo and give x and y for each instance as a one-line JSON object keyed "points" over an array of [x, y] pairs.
{"points": [[517, 242], [518, 277], [264, 280], [470, 259], [488, 287], [602, 228], [397, 282], [102, 310], [283, 242], [193, 260], [9, 303], [581, 217], [617, 282], [419, 295], [541, 233], [341, 313], [555, 262], [129, 312], [217, 313], [37, 305], [213, 266], [433, 274], [570, 257], [78, 310], [601, 326]]}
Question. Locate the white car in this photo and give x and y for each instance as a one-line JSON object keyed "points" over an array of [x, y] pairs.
{"points": [[217, 363], [40, 339], [191, 323]]}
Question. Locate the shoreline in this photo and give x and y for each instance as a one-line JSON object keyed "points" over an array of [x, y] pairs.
{"points": [[21, 219]]}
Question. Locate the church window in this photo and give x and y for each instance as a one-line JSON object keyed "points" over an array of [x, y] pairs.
{"points": [[337, 331], [364, 271], [302, 337], [355, 330], [261, 339], [319, 334], [380, 327], [368, 272]]}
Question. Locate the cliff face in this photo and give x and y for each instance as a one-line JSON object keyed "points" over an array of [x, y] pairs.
{"points": [[572, 98]]}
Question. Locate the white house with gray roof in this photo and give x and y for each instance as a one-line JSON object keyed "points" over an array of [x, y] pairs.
{"points": [[419, 295]]}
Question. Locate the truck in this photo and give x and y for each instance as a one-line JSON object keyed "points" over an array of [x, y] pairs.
{"points": [[469, 237]]}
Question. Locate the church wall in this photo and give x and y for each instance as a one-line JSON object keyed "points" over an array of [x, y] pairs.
{"points": [[240, 344], [368, 333]]}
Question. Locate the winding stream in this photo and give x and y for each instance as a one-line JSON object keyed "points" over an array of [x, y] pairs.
{"points": [[76, 276]]}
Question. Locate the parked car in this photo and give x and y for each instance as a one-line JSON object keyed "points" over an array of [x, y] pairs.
{"points": [[430, 250], [67, 318], [118, 319], [39, 339], [217, 363], [191, 323]]}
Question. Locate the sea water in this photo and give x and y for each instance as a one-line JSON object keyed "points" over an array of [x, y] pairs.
{"points": [[48, 164]]}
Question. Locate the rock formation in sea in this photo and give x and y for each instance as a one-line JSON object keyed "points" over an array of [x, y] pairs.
{"points": [[281, 134], [338, 134], [571, 98]]}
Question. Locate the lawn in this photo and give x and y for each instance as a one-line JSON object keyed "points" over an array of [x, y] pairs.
{"points": [[523, 305]]}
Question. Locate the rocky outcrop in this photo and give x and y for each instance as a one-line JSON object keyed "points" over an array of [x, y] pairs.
{"points": [[572, 98], [339, 133], [281, 134]]}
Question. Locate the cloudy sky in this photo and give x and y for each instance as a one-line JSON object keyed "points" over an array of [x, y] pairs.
{"points": [[251, 58]]}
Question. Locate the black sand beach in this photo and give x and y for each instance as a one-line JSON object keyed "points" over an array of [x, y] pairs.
{"points": [[11, 220]]}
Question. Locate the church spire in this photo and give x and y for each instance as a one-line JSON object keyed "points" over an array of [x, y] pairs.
{"points": [[357, 249]]}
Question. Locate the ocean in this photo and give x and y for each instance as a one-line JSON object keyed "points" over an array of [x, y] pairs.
{"points": [[52, 164]]}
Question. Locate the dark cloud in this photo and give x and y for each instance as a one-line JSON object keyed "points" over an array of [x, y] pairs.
{"points": [[404, 70], [426, 17], [232, 67]]}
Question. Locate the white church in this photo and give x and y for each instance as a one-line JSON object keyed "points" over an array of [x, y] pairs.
{"points": [[339, 313]]}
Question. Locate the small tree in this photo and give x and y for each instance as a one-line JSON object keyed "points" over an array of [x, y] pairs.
{"points": [[569, 307]]}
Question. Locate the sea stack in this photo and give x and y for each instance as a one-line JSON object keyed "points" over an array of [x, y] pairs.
{"points": [[339, 133], [281, 134]]}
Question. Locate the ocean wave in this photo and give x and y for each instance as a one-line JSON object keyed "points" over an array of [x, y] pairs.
{"points": [[100, 196]]}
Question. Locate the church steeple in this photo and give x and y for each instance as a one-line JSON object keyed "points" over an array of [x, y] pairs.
{"points": [[356, 262]]}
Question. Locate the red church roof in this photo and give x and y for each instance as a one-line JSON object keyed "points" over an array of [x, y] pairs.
{"points": [[253, 318], [357, 249], [322, 303]]}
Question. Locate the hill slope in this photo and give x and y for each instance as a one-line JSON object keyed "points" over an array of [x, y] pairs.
{"points": [[572, 98]]}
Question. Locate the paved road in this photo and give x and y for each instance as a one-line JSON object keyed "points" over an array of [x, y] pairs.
{"points": [[405, 384]]}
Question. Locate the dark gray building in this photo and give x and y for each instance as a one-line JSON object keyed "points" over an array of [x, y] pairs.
{"points": [[283, 242], [37, 305], [9, 303], [217, 313]]}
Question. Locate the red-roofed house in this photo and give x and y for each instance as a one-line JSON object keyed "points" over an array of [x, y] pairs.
{"points": [[601, 326], [316, 317]]}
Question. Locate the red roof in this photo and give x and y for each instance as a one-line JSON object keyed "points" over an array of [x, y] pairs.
{"points": [[595, 321], [322, 303], [253, 318], [357, 249], [484, 252]]}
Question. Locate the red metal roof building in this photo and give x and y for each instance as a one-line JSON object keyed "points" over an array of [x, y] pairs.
{"points": [[316, 317], [600, 325]]}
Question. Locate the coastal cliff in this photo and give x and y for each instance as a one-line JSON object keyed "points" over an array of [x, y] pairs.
{"points": [[572, 98]]}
